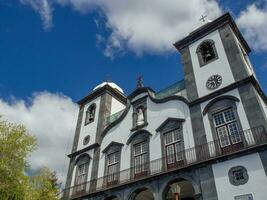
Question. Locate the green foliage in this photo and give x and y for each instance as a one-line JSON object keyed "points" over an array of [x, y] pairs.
{"points": [[45, 185], [16, 144]]}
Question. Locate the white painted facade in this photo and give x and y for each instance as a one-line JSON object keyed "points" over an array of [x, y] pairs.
{"points": [[200, 136], [220, 66], [256, 185]]}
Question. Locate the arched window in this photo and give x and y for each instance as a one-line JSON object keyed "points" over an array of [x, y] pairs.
{"points": [[139, 141], [206, 52], [90, 114], [82, 165]]}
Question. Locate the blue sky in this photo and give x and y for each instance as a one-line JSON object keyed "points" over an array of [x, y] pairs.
{"points": [[67, 58], [53, 52]]}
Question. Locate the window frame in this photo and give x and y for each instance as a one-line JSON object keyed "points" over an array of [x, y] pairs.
{"points": [[115, 165], [176, 157], [143, 157], [202, 62], [90, 109], [225, 124]]}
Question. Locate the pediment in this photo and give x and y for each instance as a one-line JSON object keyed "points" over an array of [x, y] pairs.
{"points": [[170, 124]]}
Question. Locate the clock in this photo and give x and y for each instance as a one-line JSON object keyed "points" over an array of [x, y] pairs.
{"points": [[214, 81]]}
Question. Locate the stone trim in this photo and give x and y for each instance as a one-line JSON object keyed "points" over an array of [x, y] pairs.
{"points": [[200, 59], [220, 98], [144, 133], [209, 28], [263, 156], [100, 91], [140, 91], [233, 53], [93, 146], [218, 106], [253, 109], [83, 156], [198, 128], [120, 145], [233, 179], [172, 122]]}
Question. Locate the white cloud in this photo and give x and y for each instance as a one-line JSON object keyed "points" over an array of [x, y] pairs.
{"points": [[253, 23], [44, 8], [149, 26], [52, 119]]}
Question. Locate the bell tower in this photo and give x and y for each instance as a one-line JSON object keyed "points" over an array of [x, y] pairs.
{"points": [[215, 56]]}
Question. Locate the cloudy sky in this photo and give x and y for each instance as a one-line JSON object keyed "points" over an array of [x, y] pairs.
{"points": [[53, 52]]}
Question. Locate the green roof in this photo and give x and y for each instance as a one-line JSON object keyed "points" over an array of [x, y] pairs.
{"points": [[171, 90], [114, 117]]}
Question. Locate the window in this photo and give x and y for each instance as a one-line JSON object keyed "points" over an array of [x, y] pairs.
{"points": [[238, 175], [90, 114], [140, 157], [206, 52], [112, 166], [81, 176], [174, 146], [227, 128]]}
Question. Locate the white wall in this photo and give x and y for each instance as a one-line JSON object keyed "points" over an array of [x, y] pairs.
{"points": [[240, 109], [89, 129], [116, 106], [156, 115], [220, 66], [90, 153], [257, 183]]}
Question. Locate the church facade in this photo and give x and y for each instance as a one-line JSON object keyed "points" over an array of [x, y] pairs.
{"points": [[202, 138]]}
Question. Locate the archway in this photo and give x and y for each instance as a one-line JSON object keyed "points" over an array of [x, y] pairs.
{"points": [[142, 194], [112, 198], [186, 192]]}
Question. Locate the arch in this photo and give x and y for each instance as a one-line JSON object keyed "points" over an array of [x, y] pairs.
{"points": [[140, 133], [189, 188], [90, 114], [206, 52], [113, 197], [143, 193], [212, 102], [83, 158]]}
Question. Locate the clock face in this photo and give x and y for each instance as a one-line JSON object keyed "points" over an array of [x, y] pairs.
{"points": [[214, 81]]}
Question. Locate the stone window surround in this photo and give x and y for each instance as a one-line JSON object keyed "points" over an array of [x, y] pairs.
{"points": [[82, 159], [138, 137], [198, 52], [90, 108], [168, 125], [142, 102], [232, 179], [219, 104], [113, 147]]}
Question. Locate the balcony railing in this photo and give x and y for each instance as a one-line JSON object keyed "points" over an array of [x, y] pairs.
{"points": [[251, 138]]}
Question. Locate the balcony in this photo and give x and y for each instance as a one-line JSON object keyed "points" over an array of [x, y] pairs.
{"points": [[251, 138]]}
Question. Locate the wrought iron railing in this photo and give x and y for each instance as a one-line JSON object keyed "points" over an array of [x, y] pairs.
{"points": [[251, 138]]}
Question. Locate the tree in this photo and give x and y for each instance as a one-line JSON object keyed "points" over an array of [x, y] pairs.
{"points": [[15, 146], [45, 185]]}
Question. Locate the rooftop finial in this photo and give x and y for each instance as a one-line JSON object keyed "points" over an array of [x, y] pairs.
{"points": [[140, 81], [203, 18]]}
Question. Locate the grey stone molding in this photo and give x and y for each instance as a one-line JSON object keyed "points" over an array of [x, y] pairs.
{"points": [[233, 180], [100, 91], [140, 134], [263, 156], [170, 124], [210, 27], [233, 53], [220, 98], [198, 51], [113, 144]]}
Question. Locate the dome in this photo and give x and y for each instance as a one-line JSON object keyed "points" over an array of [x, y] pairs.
{"points": [[111, 84]]}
